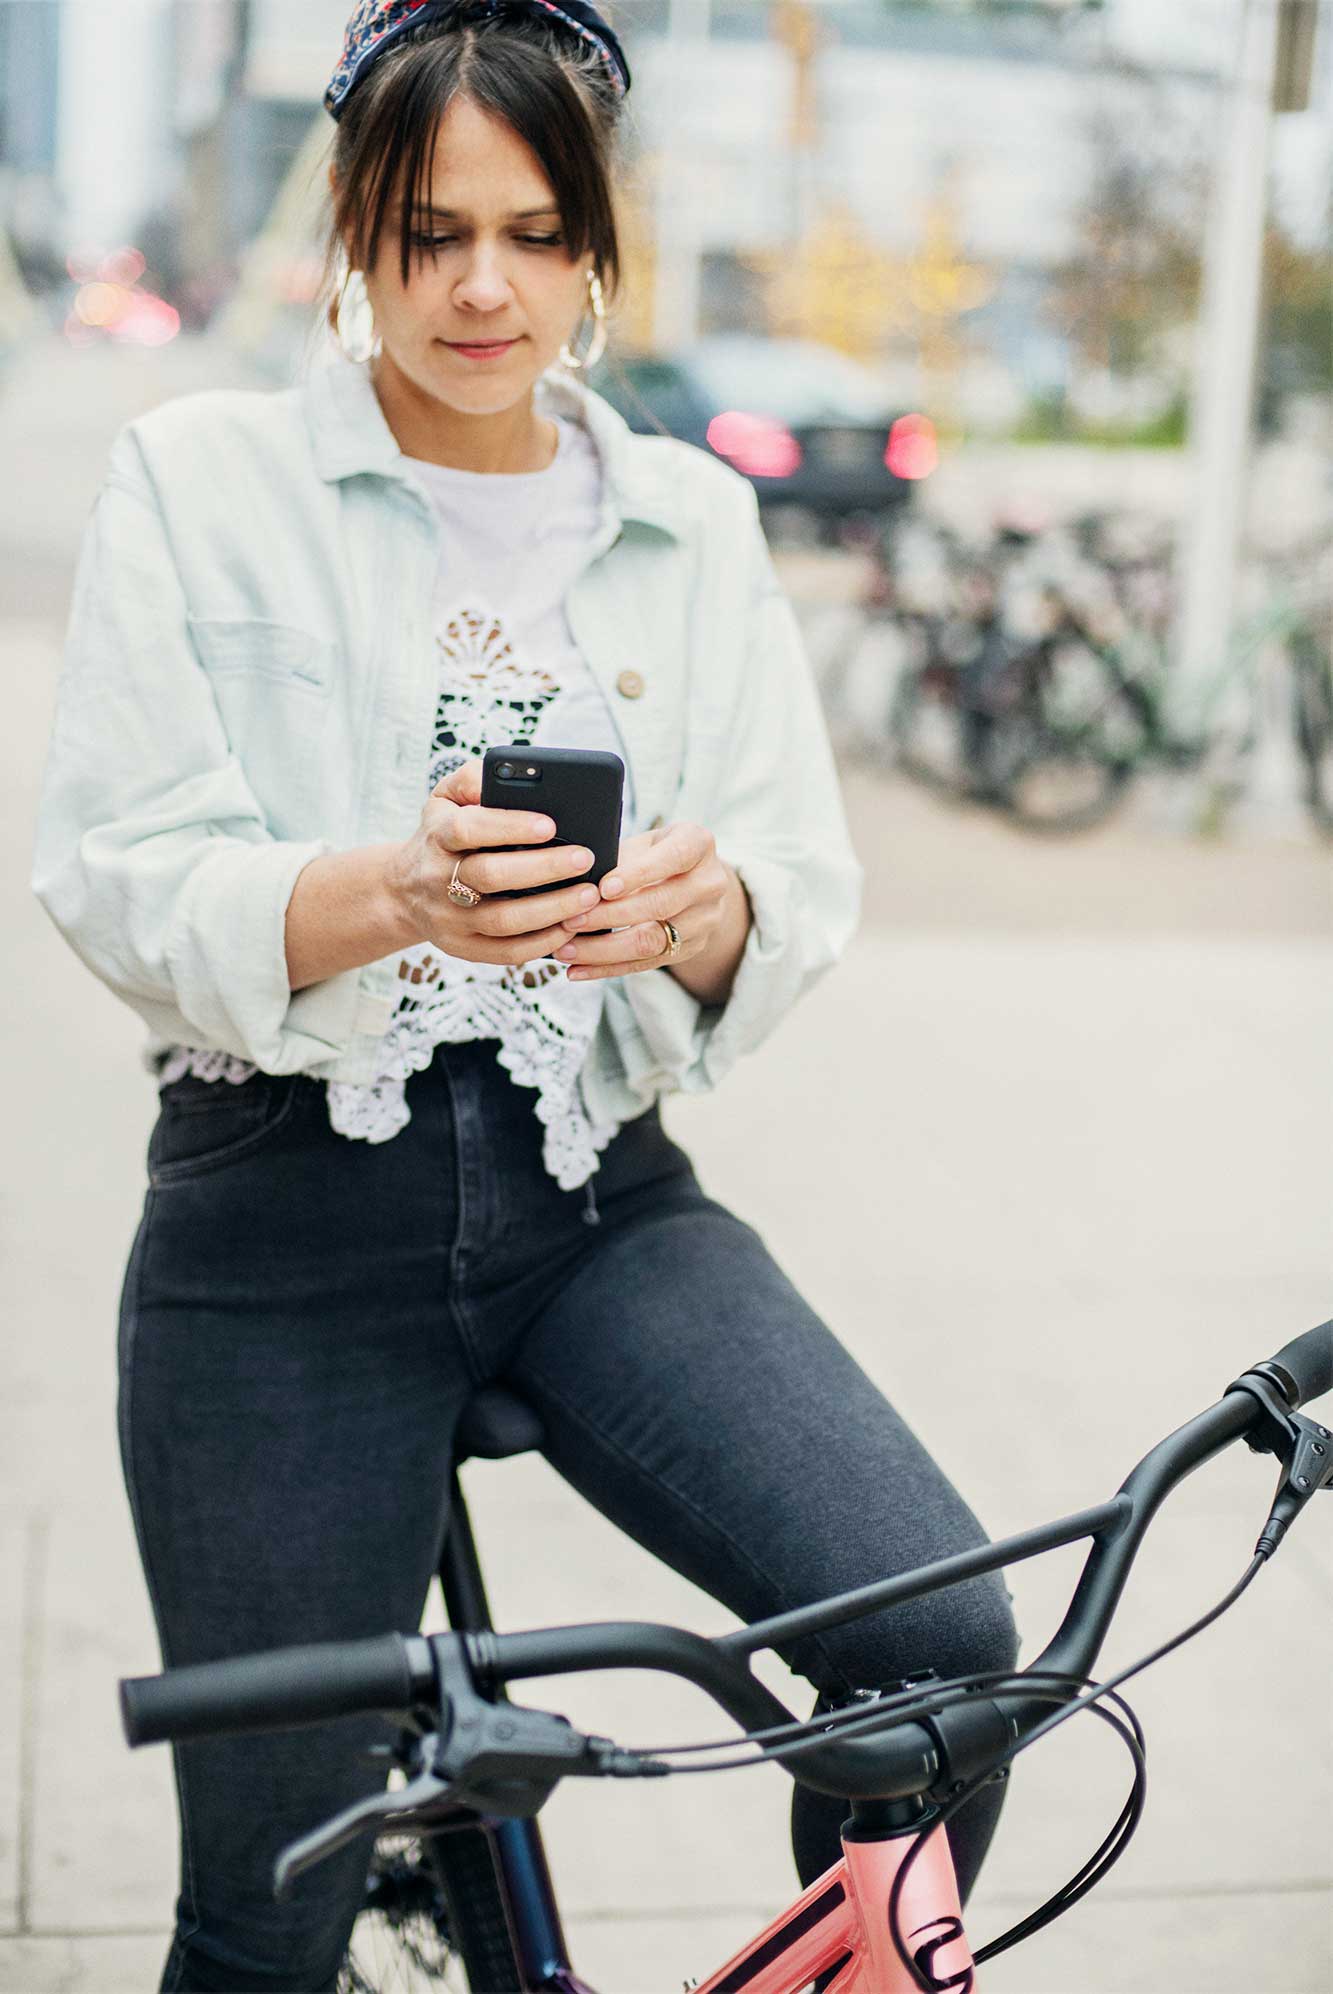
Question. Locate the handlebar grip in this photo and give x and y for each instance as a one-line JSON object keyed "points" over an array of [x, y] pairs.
{"points": [[268, 1692], [1308, 1362]]}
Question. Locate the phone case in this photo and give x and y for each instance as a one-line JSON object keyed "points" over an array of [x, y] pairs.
{"points": [[581, 788]]}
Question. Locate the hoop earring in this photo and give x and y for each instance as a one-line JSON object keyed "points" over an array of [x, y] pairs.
{"points": [[354, 321], [598, 345]]}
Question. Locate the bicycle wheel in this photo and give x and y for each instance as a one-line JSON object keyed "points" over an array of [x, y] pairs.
{"points": [[465, 1864], [433, 1918], [1312, 687], [402, 1941], [1065, 752], [927, 725]]}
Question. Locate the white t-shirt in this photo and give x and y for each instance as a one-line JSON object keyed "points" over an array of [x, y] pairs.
{"points": [[509, 671]]}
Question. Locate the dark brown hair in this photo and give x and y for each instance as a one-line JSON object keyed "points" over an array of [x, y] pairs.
{"points": [[542, 80]]}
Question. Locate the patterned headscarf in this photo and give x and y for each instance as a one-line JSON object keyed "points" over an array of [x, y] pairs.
{"points": [[375, 25]]}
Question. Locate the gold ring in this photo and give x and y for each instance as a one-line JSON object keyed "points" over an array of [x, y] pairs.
{"points": [[460, 892], [673, 940]]}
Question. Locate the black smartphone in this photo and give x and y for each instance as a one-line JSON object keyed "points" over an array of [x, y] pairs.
{"points": [[582, 789]]}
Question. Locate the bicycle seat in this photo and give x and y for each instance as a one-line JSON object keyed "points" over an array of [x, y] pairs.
{"points": [[496, 1424]]}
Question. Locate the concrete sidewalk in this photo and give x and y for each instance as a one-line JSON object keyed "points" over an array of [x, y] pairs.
{"points": [[1054, 1183]]}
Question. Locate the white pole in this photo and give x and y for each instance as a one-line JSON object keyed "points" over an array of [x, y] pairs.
{"points": [[676, 291], [1222, 405], [113, 144]]}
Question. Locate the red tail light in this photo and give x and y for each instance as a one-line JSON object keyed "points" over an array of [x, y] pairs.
{"points": [[755, 444], [912, 450]]}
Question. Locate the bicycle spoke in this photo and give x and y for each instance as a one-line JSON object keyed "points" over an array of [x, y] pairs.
{"points": [[400, 1944]]}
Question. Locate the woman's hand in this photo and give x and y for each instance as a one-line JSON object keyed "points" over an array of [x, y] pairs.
{"points": [[455, 830], [671, 874]]}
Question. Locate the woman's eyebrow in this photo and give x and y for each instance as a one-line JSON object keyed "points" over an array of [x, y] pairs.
{"points": [[459, 214]]}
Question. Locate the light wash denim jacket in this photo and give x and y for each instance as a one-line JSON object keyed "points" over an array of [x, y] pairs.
{"points": [[249, 682]]}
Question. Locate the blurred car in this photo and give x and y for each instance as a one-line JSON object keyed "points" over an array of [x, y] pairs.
{"points": [[808, 425], [108, 302]]}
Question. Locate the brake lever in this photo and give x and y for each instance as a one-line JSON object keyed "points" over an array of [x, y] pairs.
{"points": [[1302, 1446], [381, 1809]]}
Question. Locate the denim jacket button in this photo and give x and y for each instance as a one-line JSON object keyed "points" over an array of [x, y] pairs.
{"points": [[630, 685]]}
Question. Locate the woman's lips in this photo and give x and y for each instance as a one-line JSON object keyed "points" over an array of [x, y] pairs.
{"points": [[481, 350]]}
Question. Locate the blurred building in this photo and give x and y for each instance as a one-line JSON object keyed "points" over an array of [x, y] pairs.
{"points": [[932, 165], [29, 77], [120, 124]]}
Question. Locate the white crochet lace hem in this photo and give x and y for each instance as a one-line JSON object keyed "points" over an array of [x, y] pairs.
{"points": [[205, 1065], [537, 1048], [544, 1040]]}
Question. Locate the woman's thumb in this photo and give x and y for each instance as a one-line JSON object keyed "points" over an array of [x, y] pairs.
{"points": [[461, 785]]}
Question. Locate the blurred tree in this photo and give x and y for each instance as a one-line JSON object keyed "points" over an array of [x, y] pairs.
{"points": [[942, 283], [1296, 355], [1134, 274], [836, 285], [632, 314], [1130, 288], [943, 286], [794, 24]]}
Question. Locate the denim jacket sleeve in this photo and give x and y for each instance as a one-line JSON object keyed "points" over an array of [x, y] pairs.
{"points": [[151, 854], [761, 777]]}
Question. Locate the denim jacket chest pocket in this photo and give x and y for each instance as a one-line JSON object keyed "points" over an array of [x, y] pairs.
{"points": [[273, 685]]}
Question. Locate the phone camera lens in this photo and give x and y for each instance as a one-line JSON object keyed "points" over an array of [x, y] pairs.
{"points": [[505, 771]]}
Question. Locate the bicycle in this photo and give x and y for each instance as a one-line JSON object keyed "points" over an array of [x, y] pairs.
{"points": [[1058, 702], [885, 1918], [1311, 648], [987, 686]]}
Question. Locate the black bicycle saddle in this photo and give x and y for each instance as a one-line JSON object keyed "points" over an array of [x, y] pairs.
{"points": [[496, 1424]]}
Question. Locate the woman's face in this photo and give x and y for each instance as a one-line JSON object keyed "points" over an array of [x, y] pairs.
{"points": [[494, 267]]}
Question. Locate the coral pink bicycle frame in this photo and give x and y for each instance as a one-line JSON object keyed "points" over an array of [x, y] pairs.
{"points": [[844, 1915]]}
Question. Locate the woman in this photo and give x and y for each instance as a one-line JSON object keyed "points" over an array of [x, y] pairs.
{"points": [[389, 1098]]}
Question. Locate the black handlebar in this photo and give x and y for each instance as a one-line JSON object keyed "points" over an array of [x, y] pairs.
{"points": [[279, 1690], [912, 1757], [309, 1685], [1307, 1362]]}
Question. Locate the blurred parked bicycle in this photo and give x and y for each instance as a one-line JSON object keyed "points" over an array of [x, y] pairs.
{"points": [[1032, 672]]}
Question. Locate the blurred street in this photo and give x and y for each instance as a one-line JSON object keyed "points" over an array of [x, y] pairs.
{"points": [[1050, 1153]]}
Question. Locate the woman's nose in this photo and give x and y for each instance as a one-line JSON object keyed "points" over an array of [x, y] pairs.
{"points": [[483, 284]]}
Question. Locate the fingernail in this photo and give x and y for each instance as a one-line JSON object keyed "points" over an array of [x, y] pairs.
{"points": [[566, 954], [612, 885], [543, 826], [589, 897]]}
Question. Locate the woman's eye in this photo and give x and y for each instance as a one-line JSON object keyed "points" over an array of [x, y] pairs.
{"points": [[441, 241]]}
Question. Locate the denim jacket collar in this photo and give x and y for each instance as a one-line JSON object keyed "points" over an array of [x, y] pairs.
{"points": [[350, 435]]}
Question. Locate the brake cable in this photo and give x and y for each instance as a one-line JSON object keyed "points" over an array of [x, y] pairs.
{"points": [[1074, 1693], [1067, 1895], [912, 1703]]}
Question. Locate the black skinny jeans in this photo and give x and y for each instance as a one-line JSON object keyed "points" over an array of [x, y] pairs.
{"points": [[302, 1321]]}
